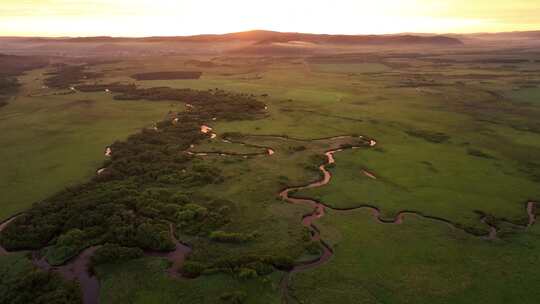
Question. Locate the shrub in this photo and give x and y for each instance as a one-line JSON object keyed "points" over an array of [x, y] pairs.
{"points": [[36, 287], [297, 148], [168, 75], [192, 269], [246, 273], [128, 204], [153, 237], [313, 248], [478, 153], [434, 137], [261, 268], [67, 246], [236, 297], [232, 237], [283, 263], [113, 253], [179, 198]]}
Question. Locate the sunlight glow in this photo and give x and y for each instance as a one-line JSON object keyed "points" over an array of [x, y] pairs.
{"points": [[185, 17]]}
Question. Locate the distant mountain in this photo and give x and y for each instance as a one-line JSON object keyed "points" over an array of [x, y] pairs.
{"points": [[268, 37], [277, 37], [532, 35]]}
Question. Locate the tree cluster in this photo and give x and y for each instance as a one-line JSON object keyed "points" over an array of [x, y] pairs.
{"points": [[168, 75], [36, 287], [66, 76], [147, 185]]}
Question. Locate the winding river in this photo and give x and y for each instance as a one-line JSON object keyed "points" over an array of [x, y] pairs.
{"points": [[319, 211], [176, 257], [77, 268]]}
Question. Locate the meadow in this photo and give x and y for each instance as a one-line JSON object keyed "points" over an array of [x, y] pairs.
{"points": [[54, 141], [457, 146]]}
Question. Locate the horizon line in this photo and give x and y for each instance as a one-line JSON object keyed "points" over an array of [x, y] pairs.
{"points": [[263, 30]]}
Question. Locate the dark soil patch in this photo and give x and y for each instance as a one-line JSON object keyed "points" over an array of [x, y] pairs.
{"points": [[478, 153]]}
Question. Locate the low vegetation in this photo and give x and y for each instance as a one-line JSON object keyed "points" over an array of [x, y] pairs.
{"points": [[11, 67], [456, 140], [232, 237], [167, 75], [8, 85], [434, 137], [141, 190], [65, 76], [113, 253], [20, 283]]}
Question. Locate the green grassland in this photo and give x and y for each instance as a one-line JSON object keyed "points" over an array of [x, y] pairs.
{"points": [[361, 68], [454, 141], [142, 281], [419, 261], [52, 141], [527, 95], [419, 172]]}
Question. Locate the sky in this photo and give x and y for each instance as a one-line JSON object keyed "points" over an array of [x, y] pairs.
{"points": [[136, 18]]}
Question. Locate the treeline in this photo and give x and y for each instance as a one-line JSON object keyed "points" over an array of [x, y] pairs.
{"points": [[41, 287], [113, 253], [208, 104], [431, 136], [12, 66], [65, 76], [3, 101], [8, 84], [21, 284], [245, 266], [148, 184], [242, 267], [170, 75]]}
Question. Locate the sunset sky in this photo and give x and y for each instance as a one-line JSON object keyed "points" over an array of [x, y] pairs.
{"points": [[186, 17]]}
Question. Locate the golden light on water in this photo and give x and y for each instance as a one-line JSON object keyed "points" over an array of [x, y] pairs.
{"points": [[185, 17]]}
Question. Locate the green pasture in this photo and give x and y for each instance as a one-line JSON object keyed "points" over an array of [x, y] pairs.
{"points": [[419, 261], [53, 141], [450, 144], [145, 281], [361, 68]]}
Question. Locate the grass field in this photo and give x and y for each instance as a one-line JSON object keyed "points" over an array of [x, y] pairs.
{"points": [[143, 281], [456, 140], [361, 68], [527, 95], [418, 261], [54, 141]]}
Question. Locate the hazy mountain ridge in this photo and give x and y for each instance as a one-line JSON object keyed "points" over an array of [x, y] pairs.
{"points": [[265, 37]]}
